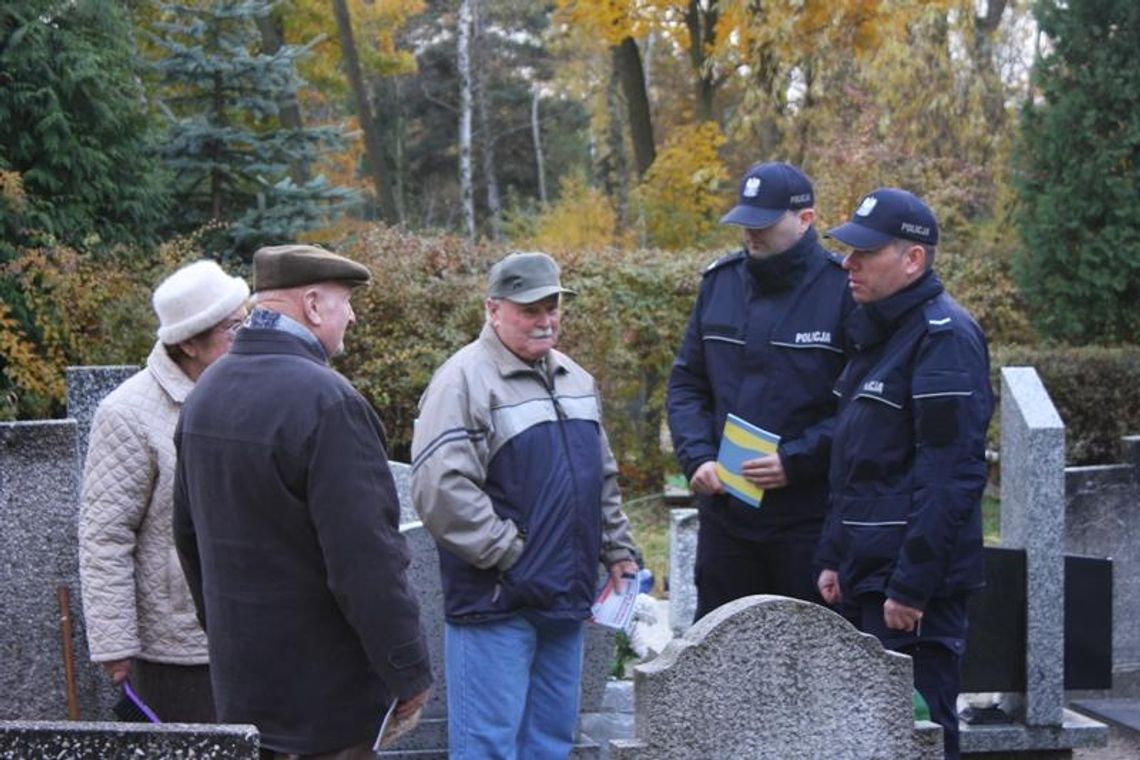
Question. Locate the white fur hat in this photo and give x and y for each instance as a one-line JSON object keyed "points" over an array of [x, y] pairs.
{"points": [[194, 299]]}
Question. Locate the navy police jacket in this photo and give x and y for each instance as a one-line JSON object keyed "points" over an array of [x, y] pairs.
{"points": [[772, 359], [908, 458]]}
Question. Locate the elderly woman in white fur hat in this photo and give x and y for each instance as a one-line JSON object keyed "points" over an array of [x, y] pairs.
{"points": [[141, 624]]}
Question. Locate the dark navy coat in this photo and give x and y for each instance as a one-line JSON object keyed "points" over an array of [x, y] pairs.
{"points": [[908, 458], [771, 358], [286, 520]]}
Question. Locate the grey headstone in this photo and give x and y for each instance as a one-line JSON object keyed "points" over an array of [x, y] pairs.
{"points": [[1102, 519], [94, 741], [86, 387], [772, 677], [402, 474], [423, 576], [39, 498], [683, 527], [1033, 518], [1130, 453], [597, 663], [1017, 741]]}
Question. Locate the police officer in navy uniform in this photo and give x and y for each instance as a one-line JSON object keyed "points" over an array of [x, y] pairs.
{"points": [[903, 545], [764, 342]]}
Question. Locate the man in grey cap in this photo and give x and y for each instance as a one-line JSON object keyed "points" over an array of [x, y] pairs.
{"points": [[514, 478], [286, 520]]}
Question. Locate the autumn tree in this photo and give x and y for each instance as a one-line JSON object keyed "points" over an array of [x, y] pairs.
{"points": [[686, 191], [619, 26], [1079, 179], [365, 66]]}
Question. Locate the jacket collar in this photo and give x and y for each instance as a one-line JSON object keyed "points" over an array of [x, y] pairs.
{"points": [[275, 320], [169, 376], [509, 364], [782, 271], [870, 324], [262, 340]]}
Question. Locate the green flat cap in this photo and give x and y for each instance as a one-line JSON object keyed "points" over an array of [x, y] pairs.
{"points": [[525, 277], [290, 266]]}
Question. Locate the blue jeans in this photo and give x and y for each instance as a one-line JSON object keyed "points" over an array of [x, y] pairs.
{"points": [[513, 687]]}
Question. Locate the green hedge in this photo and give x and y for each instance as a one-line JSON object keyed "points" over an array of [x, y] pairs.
{"points": [[1096, 391], [427, 301], [625, 326]]}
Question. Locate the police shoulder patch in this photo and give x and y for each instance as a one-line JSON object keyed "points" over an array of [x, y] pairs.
{"points": [[939, 317], [724, 261]]}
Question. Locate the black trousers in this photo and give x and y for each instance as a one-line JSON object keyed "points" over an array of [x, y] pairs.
{"points": [[729, 567], [176, 693], [936, 648]]}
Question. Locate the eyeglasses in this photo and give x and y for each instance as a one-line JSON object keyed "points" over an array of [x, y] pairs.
{"points": [[231, 326]]}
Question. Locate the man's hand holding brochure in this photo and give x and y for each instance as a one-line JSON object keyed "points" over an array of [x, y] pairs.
{"points": [[742, 441], [614, 608]]}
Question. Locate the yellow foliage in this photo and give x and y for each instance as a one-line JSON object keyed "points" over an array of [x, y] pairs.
{"points": [[614, 20], [682, 194], [342, 168], [582, 218], [375, 26], [25, 369], [12, 190], [74, 309], [796, 29]]}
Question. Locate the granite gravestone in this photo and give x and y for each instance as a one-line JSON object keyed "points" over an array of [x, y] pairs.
{"points": [[39, 497], [773, 677], [683, 527], [27, 739], [86, 388], [995, 658], [1033, 520], [1102, 518], [402, 475]]}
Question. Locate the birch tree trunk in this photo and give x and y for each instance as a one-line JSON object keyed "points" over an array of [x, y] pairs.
{"points": [[486, 128], [539, 160], [463, 54]]}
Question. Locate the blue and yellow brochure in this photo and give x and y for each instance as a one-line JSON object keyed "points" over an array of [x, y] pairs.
{"points": [[742, 441]]}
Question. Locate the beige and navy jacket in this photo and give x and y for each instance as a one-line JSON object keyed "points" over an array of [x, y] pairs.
{"points": [[514, 478]]}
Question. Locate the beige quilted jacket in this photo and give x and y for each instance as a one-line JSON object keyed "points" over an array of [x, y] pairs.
{"points": [[135, 599]]}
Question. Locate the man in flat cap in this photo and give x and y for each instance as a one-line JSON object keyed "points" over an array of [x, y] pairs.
{"points": [[514, 478], [903, 545], [764, 343], [286, 520]]}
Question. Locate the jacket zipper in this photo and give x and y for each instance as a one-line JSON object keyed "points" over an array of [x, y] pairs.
{"points": [[562, 418]]}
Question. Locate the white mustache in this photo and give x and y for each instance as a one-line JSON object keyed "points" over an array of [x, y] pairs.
{"points": [[541, 334]]}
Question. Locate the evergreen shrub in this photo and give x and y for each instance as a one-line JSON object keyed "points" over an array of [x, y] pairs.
{"points": [[1096, 391]]}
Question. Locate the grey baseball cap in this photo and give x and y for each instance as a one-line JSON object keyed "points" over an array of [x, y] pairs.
{"points": [[525, 277]]}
